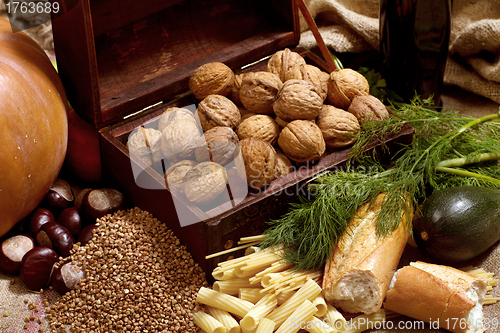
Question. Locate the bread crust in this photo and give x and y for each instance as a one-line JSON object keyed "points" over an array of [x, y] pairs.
{"points": [[437, 294], [361, 250]]}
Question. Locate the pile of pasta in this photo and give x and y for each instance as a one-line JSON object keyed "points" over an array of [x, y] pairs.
{"points": [[260, 293]]}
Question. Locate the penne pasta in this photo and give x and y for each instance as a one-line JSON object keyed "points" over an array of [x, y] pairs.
{"points": [[261, 309], [251, 266], [224, 302], [316, 325], [275, 267], [208, 323], [299, 316], [320, 304], [309, 291], [284, 296], [223, 275], [251, 294], [231, 287], [334, 318], [265, 326], [251, 250], [225, 319]]}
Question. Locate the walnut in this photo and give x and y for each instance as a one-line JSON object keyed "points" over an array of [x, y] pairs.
{"points": [[282, 62], [235, 91], [259, 126], [204, 182], [281, 123], [260, 161], [178, 139], [296, 100], [170, 115], [219, 144], [338, 126], [245, 113], [302, 141], [368, 107], [146, 144], [217, 110], [344, 85], [213, 78], [176, 172], [314, 75], [283, 166], [259, 90]]}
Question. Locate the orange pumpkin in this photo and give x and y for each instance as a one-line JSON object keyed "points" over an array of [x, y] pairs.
{"points": [[33, 125]]}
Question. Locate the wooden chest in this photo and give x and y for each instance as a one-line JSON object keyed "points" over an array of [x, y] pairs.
{"points": [[123, 63]]}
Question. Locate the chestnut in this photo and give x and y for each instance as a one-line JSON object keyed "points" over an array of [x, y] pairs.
{"points": [[37, 218], [66, 277], [86, 234], [71, 219], [59, 197], [57, 237], [12, 252], [100, 202], [36, 267]]}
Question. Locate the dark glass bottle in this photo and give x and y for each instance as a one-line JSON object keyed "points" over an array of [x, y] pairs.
{"points": [[414, 39]]}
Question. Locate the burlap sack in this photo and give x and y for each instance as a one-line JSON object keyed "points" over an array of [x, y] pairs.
{"points": [[474, 52]]}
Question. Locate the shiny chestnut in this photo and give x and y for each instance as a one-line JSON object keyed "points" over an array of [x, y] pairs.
{"points": [[66, 277], [36, 267], [59, 197], [71, 219], [86, 234], [12, 251], [100, 202], [36, 219], [57, 237]]}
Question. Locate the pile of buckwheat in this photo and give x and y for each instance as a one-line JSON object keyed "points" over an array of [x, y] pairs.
{"points": [[139, 278]]}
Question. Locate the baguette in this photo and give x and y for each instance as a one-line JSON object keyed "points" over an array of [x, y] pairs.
{"points": [[358, 274], [441, 295]]}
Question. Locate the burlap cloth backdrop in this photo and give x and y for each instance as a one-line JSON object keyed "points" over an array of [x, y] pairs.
{"points": [[351, 26]]}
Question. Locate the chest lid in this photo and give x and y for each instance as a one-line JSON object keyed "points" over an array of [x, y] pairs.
{"points": [[117, 57]]}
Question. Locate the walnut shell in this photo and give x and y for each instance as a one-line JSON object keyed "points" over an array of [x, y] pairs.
{"points": [[245, 113], [259, 126], [174, 175], [146, 144], [260, 161], [283, 166], [259, 90], [213, 78], [368, 107], [173, 114], [217, 110], [344, 85], [302, 141], [235, 91], [296, 100], [282, 62], [204, 182], [281, 123], [338, 127], [178, 139], [219, 144], [313, 75]]}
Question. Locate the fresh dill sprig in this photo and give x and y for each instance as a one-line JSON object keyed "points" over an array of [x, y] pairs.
{"points": [[310, 229]]}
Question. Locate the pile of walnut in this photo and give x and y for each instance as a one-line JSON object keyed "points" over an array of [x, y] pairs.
{"points": [[256, 125]]}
